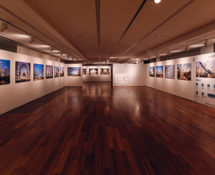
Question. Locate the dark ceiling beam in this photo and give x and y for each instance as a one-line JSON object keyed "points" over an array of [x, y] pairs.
{"points": [[127, 28], [157, 27], [97, 2]]}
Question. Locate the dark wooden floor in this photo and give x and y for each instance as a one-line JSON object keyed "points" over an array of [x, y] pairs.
{"points": [[99, 130]]}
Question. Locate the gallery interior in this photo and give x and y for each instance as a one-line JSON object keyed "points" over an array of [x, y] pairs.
{"points": [[107, 87]]}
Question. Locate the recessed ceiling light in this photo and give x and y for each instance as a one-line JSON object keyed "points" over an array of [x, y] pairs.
{"points": [[176, 51], [157, 1], [42, 46], [197, 45], [55, 51]]}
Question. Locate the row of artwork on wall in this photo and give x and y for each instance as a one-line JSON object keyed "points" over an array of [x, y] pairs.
{"points": [[76, 71], [23, 72], [183, 71]]}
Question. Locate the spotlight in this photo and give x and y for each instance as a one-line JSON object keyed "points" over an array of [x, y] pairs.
{"points": [[32, 40], [157, 1], [3, 26]]}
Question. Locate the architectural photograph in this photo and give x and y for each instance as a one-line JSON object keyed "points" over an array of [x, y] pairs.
{"points": [[38, 71], [4, 72], [23, 72], [107, 87]]}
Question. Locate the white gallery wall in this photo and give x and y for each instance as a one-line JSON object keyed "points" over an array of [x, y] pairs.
{"points": [[96, 77], [73, 80], [129, 74], [16, 94], [182, 88]]}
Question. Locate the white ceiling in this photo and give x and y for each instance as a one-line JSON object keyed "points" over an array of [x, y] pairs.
{"points": [[91, 29]]}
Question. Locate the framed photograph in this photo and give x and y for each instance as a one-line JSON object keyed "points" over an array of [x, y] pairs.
{"points": [[62, 71], [170, 71], [184, 71], [49, 71], [84, 71], [151, 71], [105, 71], [205, 68], [56, 71], [23, 72], [93, 71], [38, 71], [159, 71], [4, 72], [74, 71]]}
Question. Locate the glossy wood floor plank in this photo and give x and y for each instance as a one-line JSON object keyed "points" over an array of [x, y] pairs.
{"points": [[100, 130]]}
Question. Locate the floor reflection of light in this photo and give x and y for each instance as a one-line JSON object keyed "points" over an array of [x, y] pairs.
{"points": [[96, 91], [137, 110]]}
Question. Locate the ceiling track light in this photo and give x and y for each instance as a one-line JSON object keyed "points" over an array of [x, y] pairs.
{"points": [[3, 26], [206, 44], [32, 40], [187, 48]]}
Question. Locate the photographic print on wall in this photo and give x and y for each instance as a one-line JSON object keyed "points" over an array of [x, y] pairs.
{"points": [[105, 71], [49, 71], [84, 71], [56, 72], [23, 72], [4, 72], [159, 71], [184, 71], [61, 71], [93, 71], [38, 71], [151, 71], [170, 71], [205, 68], [74, 71]]}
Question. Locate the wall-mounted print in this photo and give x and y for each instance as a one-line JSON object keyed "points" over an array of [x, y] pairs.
{"points": [[93, 71], [61, 71], [205, 68], [159, 71], [151, 71], [184, 71], [170, 71], [74, 71], [23, 72], [84, 71], [38, 71], [56, 71], [49, 71], [105, 71], [4, 72]]}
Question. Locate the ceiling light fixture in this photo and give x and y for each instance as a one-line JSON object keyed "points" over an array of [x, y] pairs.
{"points": [[3, 26], [157, 1], [32, 40]]}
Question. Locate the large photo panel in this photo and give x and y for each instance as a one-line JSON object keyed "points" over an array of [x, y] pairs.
{"points": [[38, 71], [23, 72], [205, 68], [49, 71], [170, 71], [56, 71], [184, 71], [151, 71], [74, 71], [159, 71], [4, 72]]}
